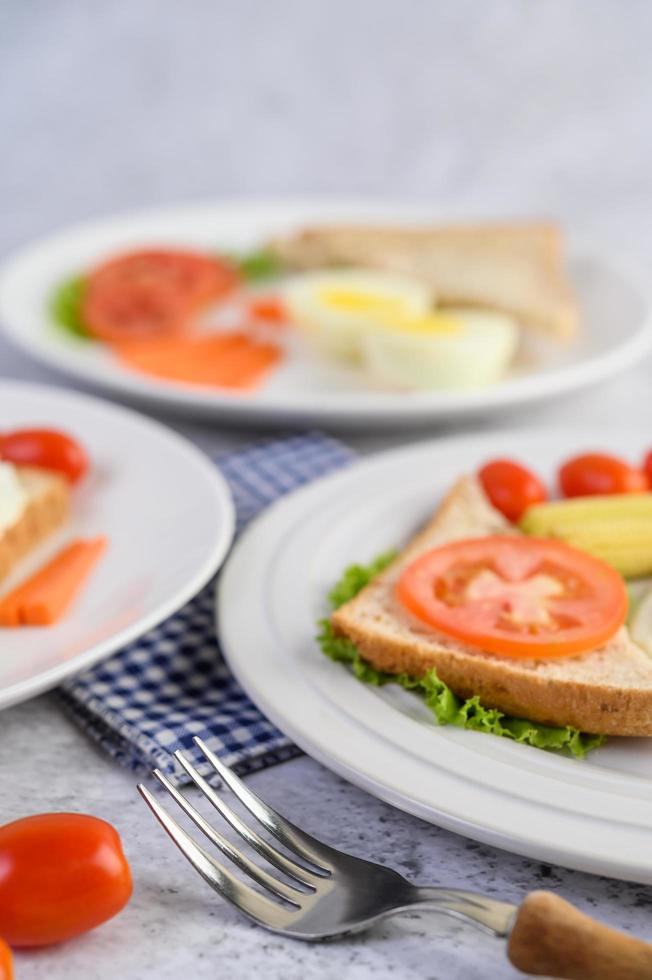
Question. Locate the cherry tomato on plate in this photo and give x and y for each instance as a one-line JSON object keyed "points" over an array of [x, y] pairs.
{"points": [[270, 309], [152, 293], [600, 473], [60, 875], [647, 467], [46, 448], [515, 596], [510, 487], [6, 962]]}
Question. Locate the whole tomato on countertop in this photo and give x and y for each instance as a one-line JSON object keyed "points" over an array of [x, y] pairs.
{"points": [[60, 875], [45, 448], [600, 473]]}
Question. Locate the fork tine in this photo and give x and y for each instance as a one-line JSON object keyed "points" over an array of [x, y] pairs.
{"points": [[257, 907], [296, 840], [266, 850], [272, 885]]}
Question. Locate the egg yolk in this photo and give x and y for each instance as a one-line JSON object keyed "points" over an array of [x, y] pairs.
{"points": [[389, 310], [431, 323], [356, 301]]}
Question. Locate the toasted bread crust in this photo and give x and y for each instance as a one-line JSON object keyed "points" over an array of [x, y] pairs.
{"points": [[605, 692], [551, 701], [46, 510]]}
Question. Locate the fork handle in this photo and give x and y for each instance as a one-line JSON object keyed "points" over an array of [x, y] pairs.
{"points": [[550, 937]]}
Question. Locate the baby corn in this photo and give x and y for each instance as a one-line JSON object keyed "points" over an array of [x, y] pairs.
{"points": [[615, 528]]}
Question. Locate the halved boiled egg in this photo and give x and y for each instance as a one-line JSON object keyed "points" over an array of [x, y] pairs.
{"points": [[451, 348], [336, 309]]}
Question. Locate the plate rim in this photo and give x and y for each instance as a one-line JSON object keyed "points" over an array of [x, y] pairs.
{"points": [[341, 412], [52, 677], [557, 851]]}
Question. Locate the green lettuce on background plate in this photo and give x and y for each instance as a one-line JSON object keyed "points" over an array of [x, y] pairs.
{"points": [[65, 307]]}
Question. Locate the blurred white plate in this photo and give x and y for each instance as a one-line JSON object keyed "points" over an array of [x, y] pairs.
{"points": [[616, 330], [593, 815], [165, 509]]}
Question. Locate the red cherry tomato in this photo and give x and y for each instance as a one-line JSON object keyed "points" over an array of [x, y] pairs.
{"points": [[599, 473], [516, 596], [511, 488], [647, 467], [6, 962], [46, 448], [60, 875], [270, 309], [152, 293]]}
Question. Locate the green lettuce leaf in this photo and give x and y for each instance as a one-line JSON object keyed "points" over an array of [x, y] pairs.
{"points": [[65, 306], [257, 266], [447, 708], [355, 577]]}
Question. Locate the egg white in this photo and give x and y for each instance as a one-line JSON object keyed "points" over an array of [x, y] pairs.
{"points": [[474, 354], [337, 329]]}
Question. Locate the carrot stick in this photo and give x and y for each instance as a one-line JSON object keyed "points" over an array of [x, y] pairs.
{"points": [[44, 597], [220, 360]]}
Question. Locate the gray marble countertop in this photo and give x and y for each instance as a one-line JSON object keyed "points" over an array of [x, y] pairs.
{"points": [[502, 108]]}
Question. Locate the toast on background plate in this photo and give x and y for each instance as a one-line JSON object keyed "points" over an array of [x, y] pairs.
{"points": [[45, 501], [607, 691], [517, 269]]}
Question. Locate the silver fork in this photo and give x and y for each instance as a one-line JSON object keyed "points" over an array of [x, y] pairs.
{"points": [[326, 893]]}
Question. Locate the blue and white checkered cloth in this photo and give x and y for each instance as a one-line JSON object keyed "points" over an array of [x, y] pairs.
{"points": [[154, 696]]}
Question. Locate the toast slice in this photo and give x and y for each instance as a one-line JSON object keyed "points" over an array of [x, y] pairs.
{"points": [[516, 269], [605, 692], [48, 498]]}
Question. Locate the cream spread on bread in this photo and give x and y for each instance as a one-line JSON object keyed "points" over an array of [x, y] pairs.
{"points": [[13, 496]]}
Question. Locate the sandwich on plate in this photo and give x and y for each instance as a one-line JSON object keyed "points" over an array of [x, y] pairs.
{"points": [[38, 468], [516, 625], [34, 502]]}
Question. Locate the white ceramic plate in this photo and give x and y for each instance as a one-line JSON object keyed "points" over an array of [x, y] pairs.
{"points": [[594, 815], [166, 511], [616, 329]]}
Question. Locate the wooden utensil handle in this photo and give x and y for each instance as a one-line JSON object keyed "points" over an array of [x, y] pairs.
{"points": [[550, 937]]}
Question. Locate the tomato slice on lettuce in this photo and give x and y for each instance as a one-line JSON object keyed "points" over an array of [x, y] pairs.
{"points": [[516, 597], [152, 293]]}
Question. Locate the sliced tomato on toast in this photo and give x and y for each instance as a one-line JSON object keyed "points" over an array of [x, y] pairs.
{"points": [[516, 596]]}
